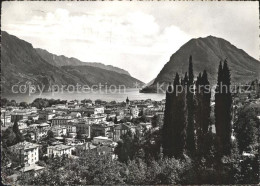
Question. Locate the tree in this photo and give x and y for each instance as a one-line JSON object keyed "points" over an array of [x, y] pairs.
{"points": [[179, 119], [202, 118], [151, 144], [40, 103], [227, 111], [223, 106], [155, 121], [136, 172], [12, 103], [115, 120], [18, 135], [79, 135], [174, 128], [190, 110], [4, 102], [246, 128], [141, 113], [128, 146], [50, 134], [167, 125], [23, 104], [8, 137]]}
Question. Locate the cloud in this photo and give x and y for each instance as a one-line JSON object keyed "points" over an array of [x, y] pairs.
{"points": [[128, 35]]}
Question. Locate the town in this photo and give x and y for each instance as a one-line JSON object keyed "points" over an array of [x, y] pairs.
{"points": [[60, 128], [70, 128]]}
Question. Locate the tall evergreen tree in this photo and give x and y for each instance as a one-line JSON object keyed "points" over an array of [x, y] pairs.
{"points": [[173, 133], [202, 113], [227, 110], [190, 111], [166, 130], [178, 120], [223, 104], [206, 102], [198, 112], [18, 135], [218, 106]]}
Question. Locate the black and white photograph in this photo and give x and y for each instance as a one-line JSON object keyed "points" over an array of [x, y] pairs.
{"points": [[136, 92]]}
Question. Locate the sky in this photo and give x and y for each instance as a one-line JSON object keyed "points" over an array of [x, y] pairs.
{"points": [[139, 37]]}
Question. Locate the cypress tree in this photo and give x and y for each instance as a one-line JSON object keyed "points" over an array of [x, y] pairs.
{"points": [[173, 134], [198, 113], [190, 111], [166, 130], [18, 135], [206, 102], [203, 107], [178, 120], [218, 108], [227, 110], [223, 105]]}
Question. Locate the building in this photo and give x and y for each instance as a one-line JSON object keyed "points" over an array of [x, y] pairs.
{"points": [[59, 150], [83, 147], [18, 115], [33, 116], [75, 114], [45, 115], [60, 120], [121, 129], [5, 117], [94, 110], [71, 127], [160, 115], [59, 130], [28, 152], [83, 128], [22, 126], [100, 130], [97, 118], [102, 140], [39, 130], [60, 106], [134, 112], [73, 104], [144, 126], [108, 111]]}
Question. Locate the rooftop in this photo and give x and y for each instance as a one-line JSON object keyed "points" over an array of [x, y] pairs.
{"points": [[32, 167], [25, 145], [59, 147], [101, 137]]}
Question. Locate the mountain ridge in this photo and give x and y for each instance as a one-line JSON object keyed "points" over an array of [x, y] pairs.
{"points": [[61, 60], [206, 54], [22, 65]]}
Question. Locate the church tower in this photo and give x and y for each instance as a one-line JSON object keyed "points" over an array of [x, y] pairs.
{"points": [[127, 102]]}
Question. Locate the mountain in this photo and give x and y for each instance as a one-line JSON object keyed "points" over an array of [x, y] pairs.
{"points": [[206, 54], [150, 82], [21, 64], [92, 75], [65, 61]]}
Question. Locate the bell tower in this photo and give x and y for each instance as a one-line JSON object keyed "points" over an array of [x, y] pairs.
{"points": [[127, 102]]}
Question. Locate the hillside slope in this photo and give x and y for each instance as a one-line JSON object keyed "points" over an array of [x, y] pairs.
{"points": [[21, 64], [206, 54], [65, 61]]}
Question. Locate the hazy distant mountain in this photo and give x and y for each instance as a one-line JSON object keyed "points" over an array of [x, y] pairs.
{"points": [[65, 61], [206, 54], [92, 75], [21, 63]]}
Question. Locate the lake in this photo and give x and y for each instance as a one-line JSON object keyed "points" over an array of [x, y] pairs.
{"points": [[131, 93]]}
